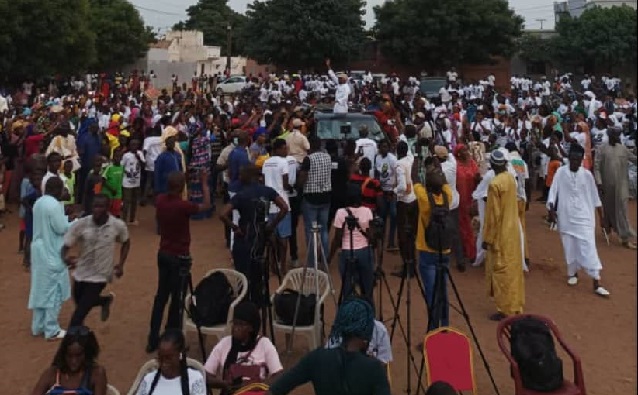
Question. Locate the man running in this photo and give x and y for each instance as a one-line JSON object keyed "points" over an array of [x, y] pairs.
{"points": [[98, 233]]}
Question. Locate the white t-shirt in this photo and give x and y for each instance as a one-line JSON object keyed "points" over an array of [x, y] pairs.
{"points": [[132, 165], [452, 75], [585, 83], [387, 170], [50, 175], [599, 137], [174, 386], [369, 148], [152, 148], [445, 95], [274, 169]]}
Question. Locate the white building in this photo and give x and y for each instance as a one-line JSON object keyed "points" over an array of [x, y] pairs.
{"points": [[183, 53], [575, 8]]}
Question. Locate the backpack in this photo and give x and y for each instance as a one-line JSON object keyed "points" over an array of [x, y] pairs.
{"points": [[211, 300], [438, 235], [286, 303], [532, 346]]}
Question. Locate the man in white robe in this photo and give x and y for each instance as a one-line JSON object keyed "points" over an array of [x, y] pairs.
{"points": [[573, 198], [342, 90]]}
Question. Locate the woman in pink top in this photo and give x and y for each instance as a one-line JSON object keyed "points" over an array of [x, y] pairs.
{"points": [[361, 266], [244, 357]]}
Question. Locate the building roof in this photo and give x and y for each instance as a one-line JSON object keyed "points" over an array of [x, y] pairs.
{"points": [[161, 44]]}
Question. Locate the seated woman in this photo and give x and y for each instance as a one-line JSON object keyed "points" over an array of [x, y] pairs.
{"points": [[173, 376], [379, 346], [75, 369], [244, 357], [345, 369]]}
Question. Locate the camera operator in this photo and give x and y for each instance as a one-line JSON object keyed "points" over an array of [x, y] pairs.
{"points": [[356, 259], [436, 192], [173, 219], [250, 201]]}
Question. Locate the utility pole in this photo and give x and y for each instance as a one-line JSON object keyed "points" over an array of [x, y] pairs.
{"points": [[229, 43], [541, 20]]}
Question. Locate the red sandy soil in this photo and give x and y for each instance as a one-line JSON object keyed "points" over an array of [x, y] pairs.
{"points": [[603, 332]]}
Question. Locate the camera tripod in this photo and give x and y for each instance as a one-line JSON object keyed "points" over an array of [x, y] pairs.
{"points": [[408, 265], [438, 312], [314, 246], [186, 283], [262, 250]]}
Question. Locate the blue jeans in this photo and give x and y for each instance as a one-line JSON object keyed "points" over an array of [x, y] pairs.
{"points": [[389, 208], [361, 272], [316, 213], [439, 314]]}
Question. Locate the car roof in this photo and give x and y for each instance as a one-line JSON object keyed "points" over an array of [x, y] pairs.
{"points": [[349, 115]]}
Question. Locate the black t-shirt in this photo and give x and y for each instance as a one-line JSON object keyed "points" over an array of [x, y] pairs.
{"points": [[245, 202], [339, 177]]}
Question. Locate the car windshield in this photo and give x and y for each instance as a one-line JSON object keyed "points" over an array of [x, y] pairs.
{"points": [[432, 86], [329, 127]]}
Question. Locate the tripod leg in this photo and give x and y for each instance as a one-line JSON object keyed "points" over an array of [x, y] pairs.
{"points": [[200, 335], [469, 324], [396, 315]]}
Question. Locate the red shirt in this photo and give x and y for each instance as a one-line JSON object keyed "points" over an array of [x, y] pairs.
{"points": [[32, 144], [173, 218], [370, 190]]}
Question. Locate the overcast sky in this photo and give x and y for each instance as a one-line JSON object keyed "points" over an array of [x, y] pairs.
{"points": [[164, 13]]}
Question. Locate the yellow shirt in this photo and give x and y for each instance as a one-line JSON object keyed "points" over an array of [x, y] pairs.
{"points": [[424, 214]]}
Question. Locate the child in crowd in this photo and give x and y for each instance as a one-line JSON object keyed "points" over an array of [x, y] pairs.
{"points": [[133, 163], [69, 181], [93, 184], [28, 201], [554, 163], [25, 190], [112, 186]]}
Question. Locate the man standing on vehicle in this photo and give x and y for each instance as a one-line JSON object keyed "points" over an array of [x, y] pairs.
{"points": [[343, 90]]}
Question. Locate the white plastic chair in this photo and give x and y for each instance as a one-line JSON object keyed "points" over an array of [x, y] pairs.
{"points": [[153, 365], [110, 390], [240, 286], [294, 280]]}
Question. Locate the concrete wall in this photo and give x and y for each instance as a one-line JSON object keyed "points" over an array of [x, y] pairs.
{"points": [[164, 70]]}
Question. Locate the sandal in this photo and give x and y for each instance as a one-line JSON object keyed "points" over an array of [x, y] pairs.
{"points": [[629, 245]]}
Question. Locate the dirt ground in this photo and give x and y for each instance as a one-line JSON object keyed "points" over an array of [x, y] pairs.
{"points": [[603, 332]]}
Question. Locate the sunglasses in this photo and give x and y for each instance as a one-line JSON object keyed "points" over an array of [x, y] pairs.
{"points": [[78, 331]]}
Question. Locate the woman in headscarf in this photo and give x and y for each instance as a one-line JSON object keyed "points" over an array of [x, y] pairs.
{"points": [[244, 354], [345, 369], [199, 159], [467, 179]]}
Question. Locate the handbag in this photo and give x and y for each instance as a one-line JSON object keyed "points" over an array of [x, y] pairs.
{"points": [[286, 303], [239, 373]]}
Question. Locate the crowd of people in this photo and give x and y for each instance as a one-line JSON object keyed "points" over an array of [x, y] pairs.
{"points": [[448, 178]]}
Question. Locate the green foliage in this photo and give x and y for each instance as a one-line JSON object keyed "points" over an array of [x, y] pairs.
{"points": [[42, 38], [121, 37], [535, 49], [212, 18], [39, 38], [601, 38], [301, 33], [438, 34]]}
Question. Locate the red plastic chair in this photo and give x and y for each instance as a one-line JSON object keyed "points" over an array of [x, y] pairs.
{"points": [[449, 358], [569, 388]]}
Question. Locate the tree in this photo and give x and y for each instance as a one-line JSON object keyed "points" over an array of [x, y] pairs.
{"points": [[301, 33], [438, 34], [122, 37], [41, 38], [535, 49], [212, 18], [601, 38]]}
